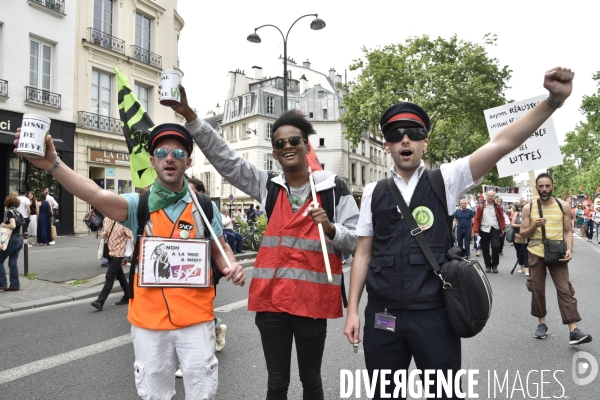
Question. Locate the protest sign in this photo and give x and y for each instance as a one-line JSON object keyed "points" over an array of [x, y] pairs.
{"points": [[539, 151], [507, 194]]}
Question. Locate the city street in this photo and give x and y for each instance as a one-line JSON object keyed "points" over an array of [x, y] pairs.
{"points": [[70, 351]]}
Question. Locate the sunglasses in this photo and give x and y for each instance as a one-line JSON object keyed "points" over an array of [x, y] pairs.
{"points": [[163, 153], [294, 141], [396, 134]]}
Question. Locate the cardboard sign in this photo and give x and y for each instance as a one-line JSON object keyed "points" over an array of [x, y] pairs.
{"points": [[540, 151], [174, 262], [507, 194]]}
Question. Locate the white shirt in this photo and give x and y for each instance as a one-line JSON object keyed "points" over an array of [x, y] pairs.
{"points": [[23, 209], [227, 222], [51, 200], [489, 219], [457, 180]]}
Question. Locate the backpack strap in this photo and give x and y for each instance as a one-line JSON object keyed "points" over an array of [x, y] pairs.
{"points": [[142, 216], [272, 193], [379, 188], [436, 180], [206, 204]]}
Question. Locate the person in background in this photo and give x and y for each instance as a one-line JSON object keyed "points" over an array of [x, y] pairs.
{"points": [[15, 244], [54, 210], [32, 229], [250, 213], [463, 222], [589, 222], [520, 242], [44, 220], [116, 236], [502, 238], [579, 220], [24, 207], [234, 238], [489, 224]]}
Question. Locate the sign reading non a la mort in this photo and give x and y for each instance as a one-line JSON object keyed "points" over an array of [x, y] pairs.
{"points": [[108, 157], [507, 194], [539, 151]]}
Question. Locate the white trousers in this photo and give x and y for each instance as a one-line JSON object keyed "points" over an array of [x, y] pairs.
{"points": [[155, 361]]}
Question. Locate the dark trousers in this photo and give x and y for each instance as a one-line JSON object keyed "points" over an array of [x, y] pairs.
{"points": [[589, 228], [115, 270], [536, 284], [15, 244], [425, 335], [277, 332], [521, 249], [463, 238], [235, 240], [491, 238]]}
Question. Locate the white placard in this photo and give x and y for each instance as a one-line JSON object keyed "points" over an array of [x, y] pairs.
{"points": [[174, 262], [540, 151], [507, 194]]}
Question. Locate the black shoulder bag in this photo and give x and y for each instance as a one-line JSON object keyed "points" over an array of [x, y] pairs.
{"points": [[467, 291], [106, 250], [555, 251]]}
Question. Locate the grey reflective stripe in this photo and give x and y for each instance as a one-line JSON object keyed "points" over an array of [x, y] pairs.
{"points": [[270, 241], [264, 273], [305, 244], [309, 276]]}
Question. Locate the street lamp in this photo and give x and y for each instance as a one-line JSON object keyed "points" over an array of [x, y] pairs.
{"points": [[316, 24]]}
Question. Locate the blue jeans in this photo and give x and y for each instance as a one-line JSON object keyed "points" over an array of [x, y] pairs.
{"points": [[234, 239], [463, 238], [12, 253]]}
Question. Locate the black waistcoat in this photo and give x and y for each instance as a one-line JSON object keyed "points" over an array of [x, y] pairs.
{"points": [[399, 277]]}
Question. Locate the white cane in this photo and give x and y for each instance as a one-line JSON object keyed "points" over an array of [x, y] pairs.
{"points": [[321, 232]]}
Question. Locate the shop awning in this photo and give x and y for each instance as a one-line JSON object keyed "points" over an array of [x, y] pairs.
{"points": [[7, 137]]}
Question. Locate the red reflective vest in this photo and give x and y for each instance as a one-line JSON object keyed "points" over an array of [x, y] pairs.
{"points": [[170, 307], [289, 272]]}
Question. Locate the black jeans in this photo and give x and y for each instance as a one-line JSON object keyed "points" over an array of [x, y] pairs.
{"points": [[490, 238], [589, 228], [277, 332], [115, 270], [463, 237]]}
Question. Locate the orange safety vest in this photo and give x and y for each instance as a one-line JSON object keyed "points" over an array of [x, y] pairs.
{"points": [[170, 308], [289, 271]]}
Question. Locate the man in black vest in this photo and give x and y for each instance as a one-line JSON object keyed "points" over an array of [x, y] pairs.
{"points": [[405, 297]]}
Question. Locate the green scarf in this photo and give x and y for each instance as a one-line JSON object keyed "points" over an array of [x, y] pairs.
{"points": [[160, 197]]}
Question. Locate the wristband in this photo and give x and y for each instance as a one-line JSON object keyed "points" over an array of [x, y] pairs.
{"points": [[53, 168], [553, 102]]}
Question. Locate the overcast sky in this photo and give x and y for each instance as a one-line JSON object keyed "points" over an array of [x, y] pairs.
{"points": [[533, 36]]}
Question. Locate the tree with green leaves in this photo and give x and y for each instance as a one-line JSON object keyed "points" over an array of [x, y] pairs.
{"points": [[453, 80]]}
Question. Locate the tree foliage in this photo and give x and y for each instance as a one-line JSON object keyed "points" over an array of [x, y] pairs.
{"points": [[453, 80]]}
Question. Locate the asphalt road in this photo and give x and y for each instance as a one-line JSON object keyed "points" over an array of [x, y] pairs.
{"points": [[70, 351]]}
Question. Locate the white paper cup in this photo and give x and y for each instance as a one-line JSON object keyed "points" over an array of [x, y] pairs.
{"points": [[169, 91], [32, 141]]}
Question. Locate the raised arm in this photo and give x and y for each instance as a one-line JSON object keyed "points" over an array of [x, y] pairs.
{"points": [[109, 203], [559, 82]]}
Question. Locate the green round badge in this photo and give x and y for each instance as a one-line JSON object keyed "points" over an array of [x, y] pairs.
{"points": [[423, 216]]}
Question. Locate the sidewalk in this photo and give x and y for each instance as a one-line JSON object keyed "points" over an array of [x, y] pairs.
{"points": [[67, 271]]}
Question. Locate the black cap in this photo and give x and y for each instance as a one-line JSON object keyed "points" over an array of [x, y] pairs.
{"points": [[171, 131], [404, 111], [22, 191]]}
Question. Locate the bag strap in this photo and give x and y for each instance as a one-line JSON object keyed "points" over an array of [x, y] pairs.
{"points": [[539, 204], [142, 217], [111, 229], [415, 230], [272, 193]]}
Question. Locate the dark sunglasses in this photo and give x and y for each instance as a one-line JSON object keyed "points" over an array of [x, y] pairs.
{"points": [[396, 134], [163, 153], [294, 141]]}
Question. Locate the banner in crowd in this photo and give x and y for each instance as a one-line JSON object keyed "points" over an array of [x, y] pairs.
{"points": [[507, 194], [540, 150]]}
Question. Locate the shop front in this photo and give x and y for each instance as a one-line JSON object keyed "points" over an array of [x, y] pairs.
{"points": [[17, 174]]}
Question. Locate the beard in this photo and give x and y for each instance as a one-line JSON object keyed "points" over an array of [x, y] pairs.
{"points": [[546, 196]]}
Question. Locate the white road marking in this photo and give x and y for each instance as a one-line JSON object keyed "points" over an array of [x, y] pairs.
{"points": [[232, 306], [51, 362]]}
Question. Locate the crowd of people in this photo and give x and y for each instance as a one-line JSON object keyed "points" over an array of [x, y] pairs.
{"points": [[292, 291]]}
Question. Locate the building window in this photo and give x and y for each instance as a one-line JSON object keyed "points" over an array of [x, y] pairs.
{"points": [[207, 182], [363, 147], [101, 93], [362, 174], [40, 65], [103, 16], [268, 162], [269, 131], [310, 115], [325, 114], [323, 166], [247, 104], [321, 142], [143, 95], [244, 133], [270, 105], [143, 31], [353, 172], [321, 94], [234, 108]]}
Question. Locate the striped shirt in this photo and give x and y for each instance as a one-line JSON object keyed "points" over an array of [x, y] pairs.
{"points": [[119, 235], [554, 227]]}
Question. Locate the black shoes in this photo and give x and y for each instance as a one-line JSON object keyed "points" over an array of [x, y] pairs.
{"points": [[578, 337], [541, 331], [96, 304], [123, 301]]}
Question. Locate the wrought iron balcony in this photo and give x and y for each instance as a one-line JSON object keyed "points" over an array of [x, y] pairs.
{"points": [[56, 5], [146, 57], [107, 41], [42, 97], [3, 87], [99, 122]]}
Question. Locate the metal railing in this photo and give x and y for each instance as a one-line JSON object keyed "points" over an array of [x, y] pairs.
{"points": [[99, 122], [3, 87], [375, 159], [146, 56], [107, 41], [44, 97], [57, 5]]}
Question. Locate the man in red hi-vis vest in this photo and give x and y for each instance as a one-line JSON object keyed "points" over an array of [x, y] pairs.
{"points": [[290, 291]]}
